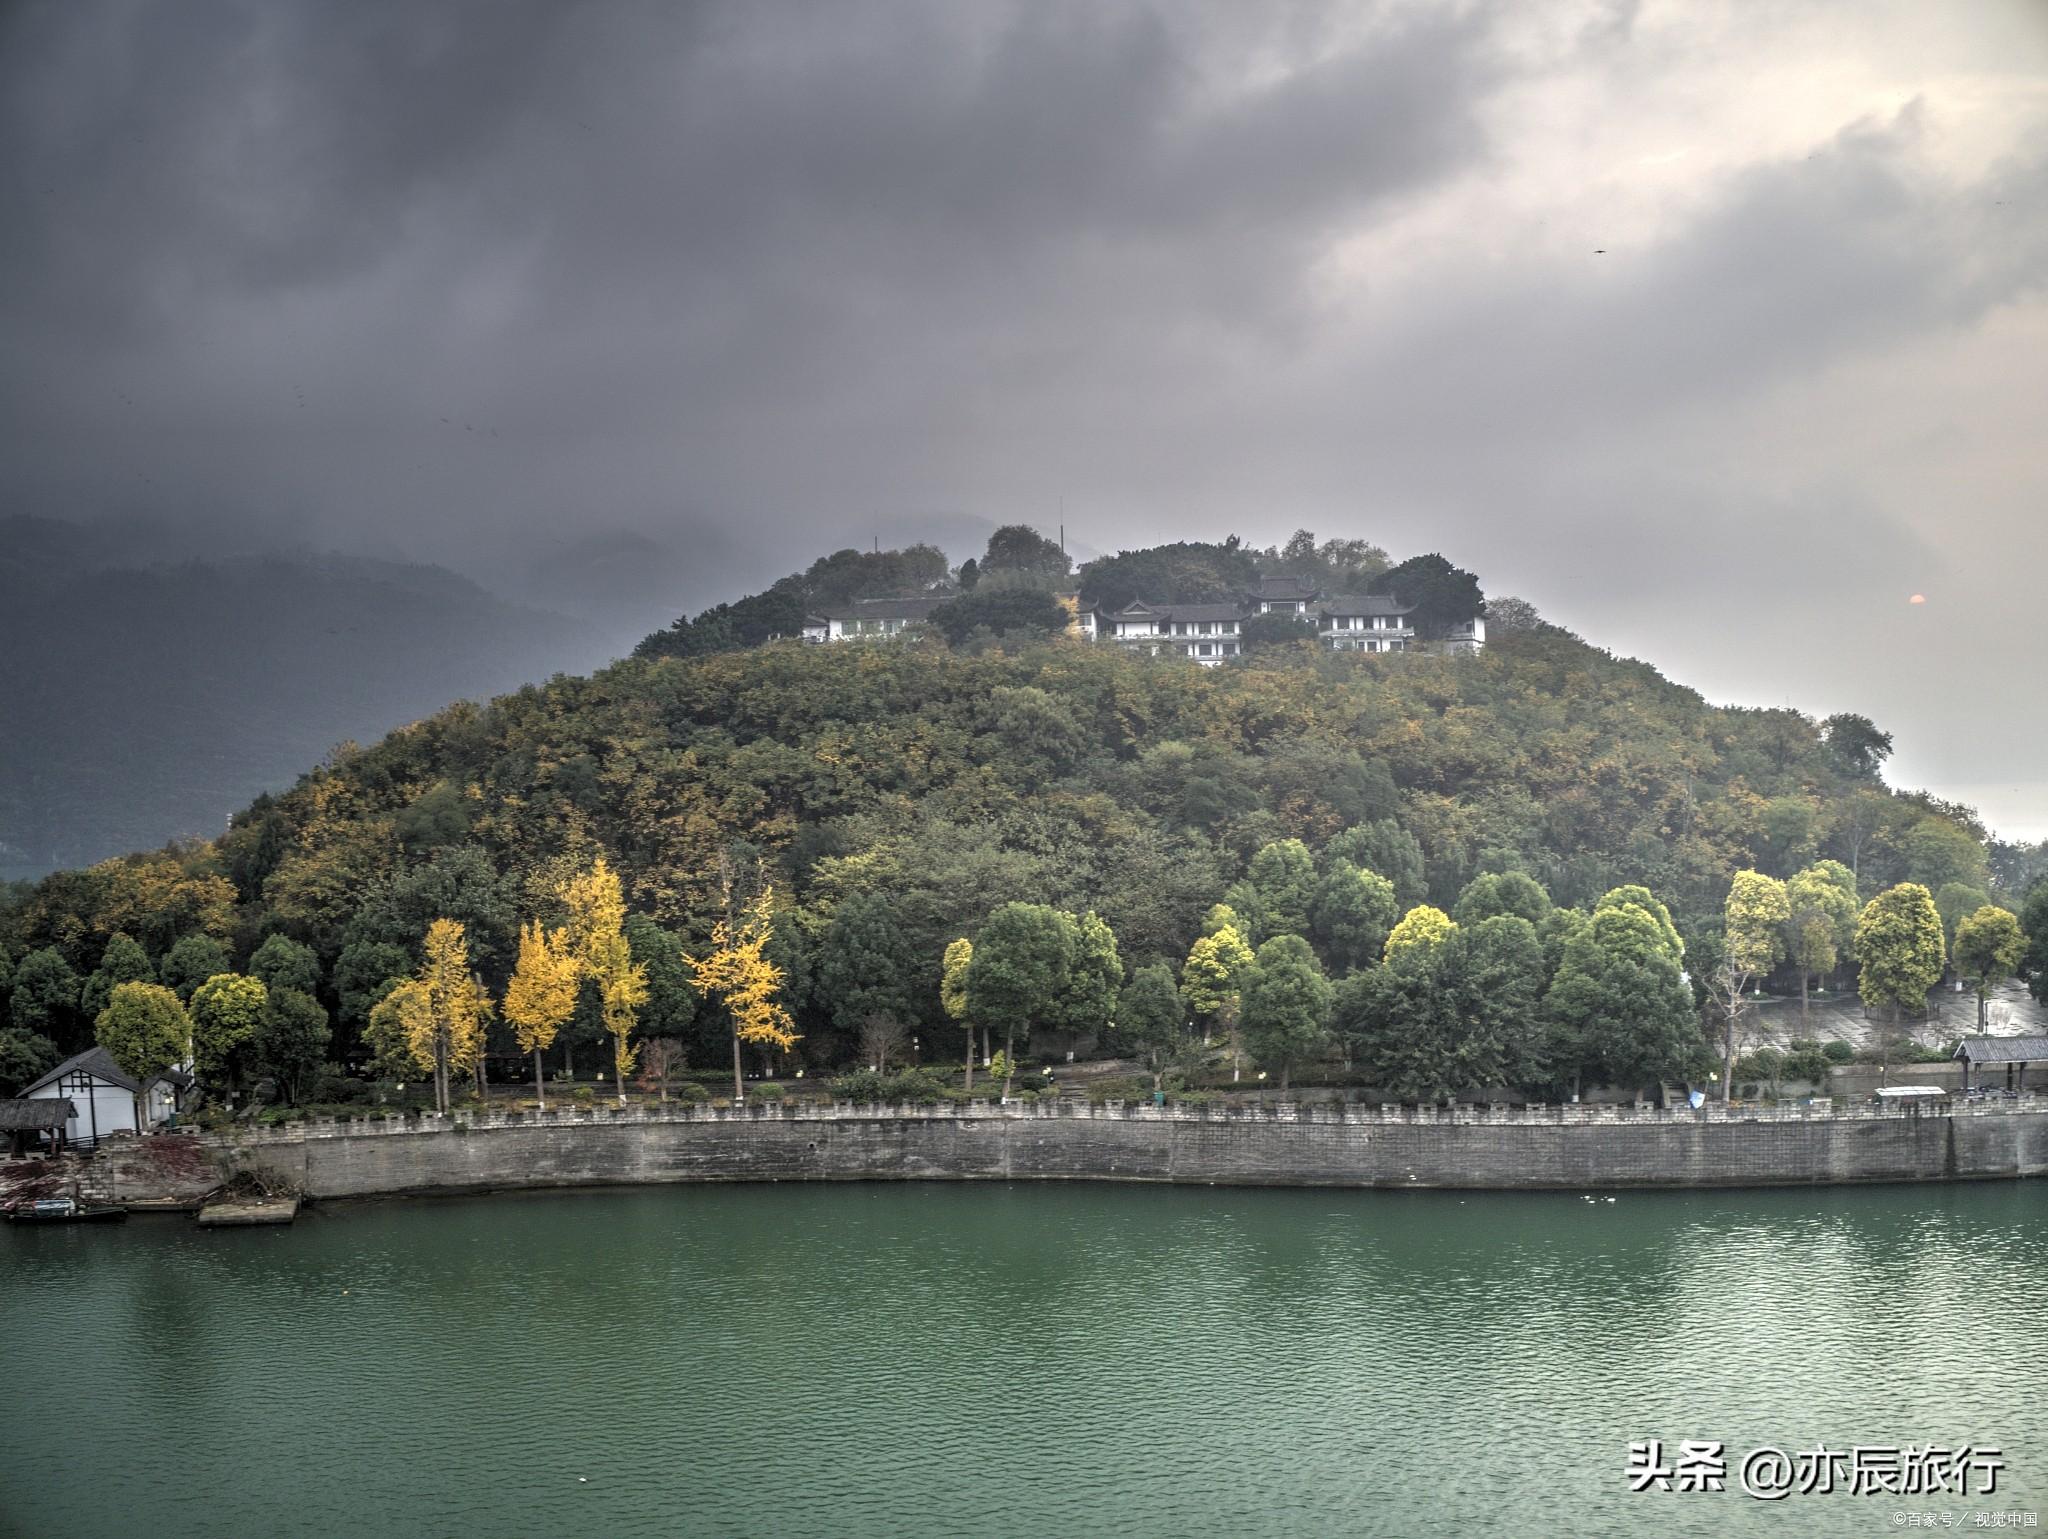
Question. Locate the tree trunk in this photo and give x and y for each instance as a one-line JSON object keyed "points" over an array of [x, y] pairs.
{"points": [[1805, 978], [1286, 1067], [970, 1058], [1728, 1058], [540, 1083], [619, 1067], [739, 1089]]}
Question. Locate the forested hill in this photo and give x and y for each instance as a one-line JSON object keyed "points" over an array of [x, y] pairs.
{"points": [[940, 783], [143, 700]]}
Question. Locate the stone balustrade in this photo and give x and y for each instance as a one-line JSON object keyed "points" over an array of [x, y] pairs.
{"points": [[1309, 1112]]}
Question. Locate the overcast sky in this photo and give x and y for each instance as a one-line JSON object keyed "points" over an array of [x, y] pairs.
{"points": [[1717, 330]]}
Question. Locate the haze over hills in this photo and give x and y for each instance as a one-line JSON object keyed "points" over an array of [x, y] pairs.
{"points": [[145, 701]]}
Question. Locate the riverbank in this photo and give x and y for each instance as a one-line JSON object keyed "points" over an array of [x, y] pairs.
{"points": [[1329, 1146]]}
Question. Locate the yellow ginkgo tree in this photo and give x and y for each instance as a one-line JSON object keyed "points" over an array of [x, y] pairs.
{"points": [[737, 973], [595, 939], [541, 995], [443, 1011]]}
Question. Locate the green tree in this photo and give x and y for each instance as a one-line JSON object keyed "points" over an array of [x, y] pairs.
{"points": [[1465, 1015], [44, 1000], [124, 961], [1019, 554], [1441, 596], [1659, 915], [1212, 982], [1283, 878], [1423, 929], [954, 999], [1858, 748], [1989, 945], [291, 1040], [191, 960], [1822, 899], [1495, 973], [1934, 852], [1018, 975], [1386, 847], [1148, 1018], [1496, 893], [1351, 916], [363, 975], [1555, 933], [1095, 977], [283, 963], [1270, 632], [227, 1012], [1028, 613], [866, 966], [1286, 1006], [1752, 943], [25, 1057], [1619, 1010], [1900, 949], [1955, 902], [144, 1029], [2034, 921], [671, 1005]]}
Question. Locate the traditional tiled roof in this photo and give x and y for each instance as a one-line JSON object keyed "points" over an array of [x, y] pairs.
{"points": [[2003, 1049], [1202, 612], [1348, 604], [887, 609], [1286, 588], [35, 1116], [97, 1062]]}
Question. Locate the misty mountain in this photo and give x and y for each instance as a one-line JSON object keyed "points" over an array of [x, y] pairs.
{"points": [[143, 700]]}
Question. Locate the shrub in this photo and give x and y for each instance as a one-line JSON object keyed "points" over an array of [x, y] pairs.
{"points": [[1838, 1051], [691, 1092], [766, 1093], [334, 1086], [920, 1087], [1198, 1098], [583, 1095], [860, 1085], [1120, 1087]]}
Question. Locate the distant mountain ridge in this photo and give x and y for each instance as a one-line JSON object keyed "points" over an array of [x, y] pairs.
{"points": [[144, 699]]}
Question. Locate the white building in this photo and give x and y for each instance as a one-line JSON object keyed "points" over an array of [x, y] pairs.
{"points": [[1208, 633], [872, 619], [106, 1099]]}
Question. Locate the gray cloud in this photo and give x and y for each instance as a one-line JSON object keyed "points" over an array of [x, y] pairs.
{"points": [[474, 280]]}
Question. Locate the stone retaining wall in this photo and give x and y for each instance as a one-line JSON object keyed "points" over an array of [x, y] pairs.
{"points": [[1323, 1146]]}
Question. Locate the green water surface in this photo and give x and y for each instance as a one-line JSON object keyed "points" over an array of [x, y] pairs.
{"points": [[1045, 1360]]}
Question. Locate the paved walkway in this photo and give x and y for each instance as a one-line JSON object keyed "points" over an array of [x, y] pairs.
{"points": [[1776, 1022]]}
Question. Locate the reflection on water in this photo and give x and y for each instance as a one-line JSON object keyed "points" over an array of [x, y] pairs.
{"points": [[1011, 1359]]}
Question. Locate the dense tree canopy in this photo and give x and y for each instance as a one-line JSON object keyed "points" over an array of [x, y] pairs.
{"points": [[1327, 794]]}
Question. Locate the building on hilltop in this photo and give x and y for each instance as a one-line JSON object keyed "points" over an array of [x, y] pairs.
{"points": [[872, 619], [1206, 633]]}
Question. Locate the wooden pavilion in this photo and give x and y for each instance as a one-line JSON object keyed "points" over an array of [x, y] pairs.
{"points": [[2012, 1054], [34, 1126]]}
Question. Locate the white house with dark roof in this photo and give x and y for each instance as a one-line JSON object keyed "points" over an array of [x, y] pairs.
{"points": [[872, 619], [1213, 633], [105, 1098], [1207, 633]]}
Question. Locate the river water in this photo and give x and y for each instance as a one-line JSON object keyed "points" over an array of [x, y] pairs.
{"points": [[1045, 1360]]}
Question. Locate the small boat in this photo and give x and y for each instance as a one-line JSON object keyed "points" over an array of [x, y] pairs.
{"points": [[64, 1210]]}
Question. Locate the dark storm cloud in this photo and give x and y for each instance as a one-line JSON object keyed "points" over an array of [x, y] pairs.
{"points": [[755, 280]]}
